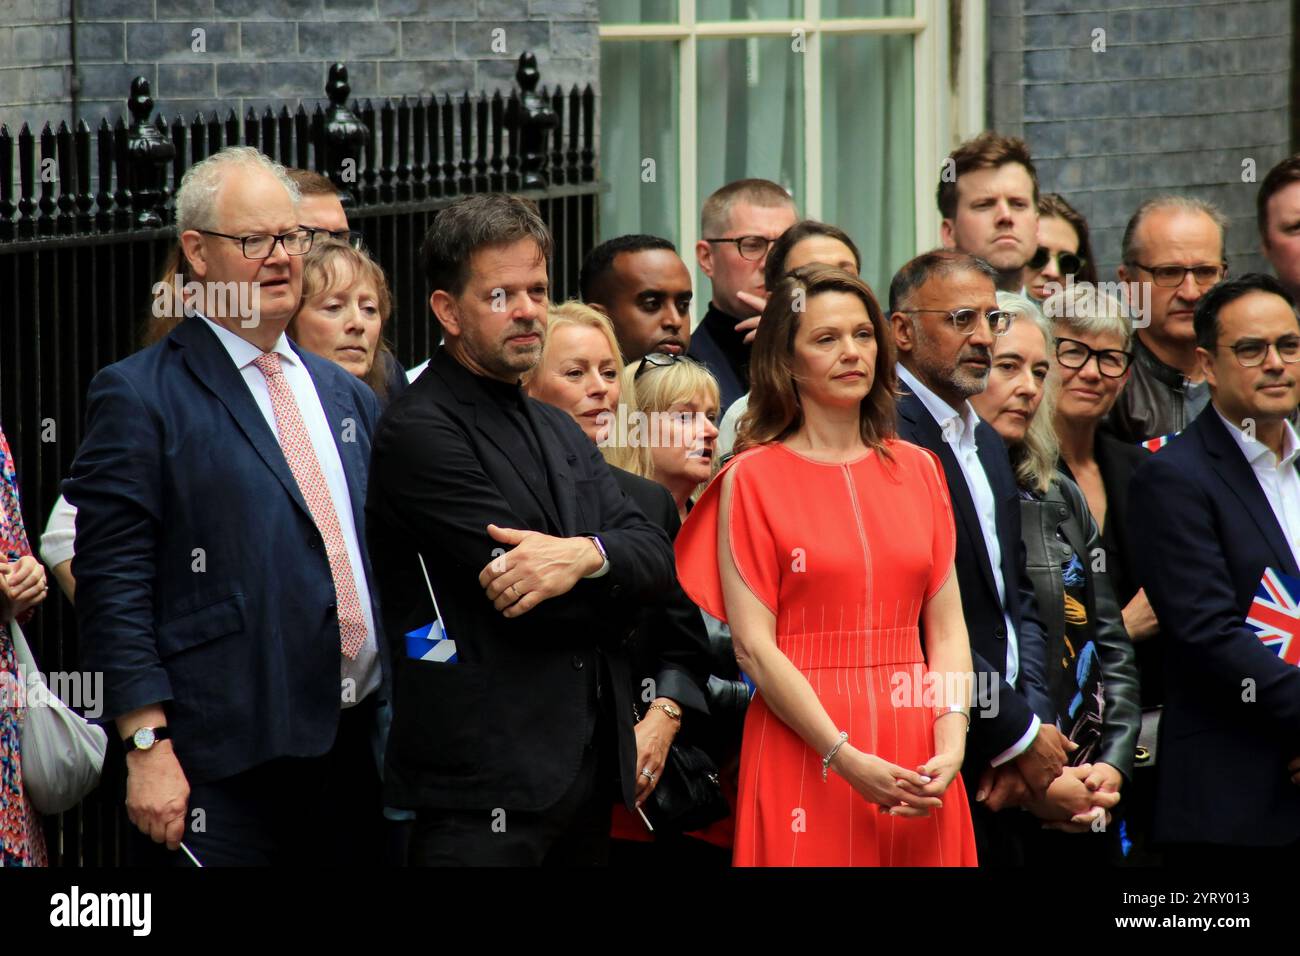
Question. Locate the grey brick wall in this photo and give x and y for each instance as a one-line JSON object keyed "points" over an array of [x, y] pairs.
{"points": [[257, 52], [1185, 92]]}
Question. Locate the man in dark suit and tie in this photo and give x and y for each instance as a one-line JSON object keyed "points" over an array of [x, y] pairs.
{"points": [[942, 306], [1211, 511], [513, 753], [223, 587]]}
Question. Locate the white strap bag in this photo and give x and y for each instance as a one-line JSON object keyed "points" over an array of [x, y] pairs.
{"points": [[62, 752]]}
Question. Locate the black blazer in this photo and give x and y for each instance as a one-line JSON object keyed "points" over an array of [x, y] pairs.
{"points": [[507, 725], [177, 456], [1203, 534], [707, 346], [990, 734], [671, 647], [1117, 461]]}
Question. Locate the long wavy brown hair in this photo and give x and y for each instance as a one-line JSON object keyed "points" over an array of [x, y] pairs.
{"points": [[774, 411]]}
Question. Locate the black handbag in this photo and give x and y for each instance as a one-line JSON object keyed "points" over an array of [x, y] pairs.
{"points": [[689, 793]]}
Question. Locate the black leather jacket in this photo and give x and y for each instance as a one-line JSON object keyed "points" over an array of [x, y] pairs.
{"points": [[1153, 402], [727, 694], [1065, 508]]}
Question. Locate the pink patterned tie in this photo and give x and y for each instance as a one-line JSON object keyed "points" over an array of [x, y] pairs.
{"points": [[300, 454]]}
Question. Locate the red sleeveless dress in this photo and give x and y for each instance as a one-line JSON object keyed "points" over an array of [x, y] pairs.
{"points": [[844, 556]]}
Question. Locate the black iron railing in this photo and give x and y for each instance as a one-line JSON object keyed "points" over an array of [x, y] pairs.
{"points": [[86, 226]]}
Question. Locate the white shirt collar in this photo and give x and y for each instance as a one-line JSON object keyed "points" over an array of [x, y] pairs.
{"points": [[242, 352], [1254, 449], [963, 423]]}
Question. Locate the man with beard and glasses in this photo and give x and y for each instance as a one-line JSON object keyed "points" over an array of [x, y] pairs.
{"points": [[512, 715], [945, 313], [988, 197], [1211, 513], [641, 283]]}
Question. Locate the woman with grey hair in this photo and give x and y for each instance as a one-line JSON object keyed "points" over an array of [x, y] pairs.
{"points": [[1091, 672], [1094, 334]]}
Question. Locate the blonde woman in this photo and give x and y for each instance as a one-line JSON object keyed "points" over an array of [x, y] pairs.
{"points": [[675, 412], [1092, 674], [579, 372]]}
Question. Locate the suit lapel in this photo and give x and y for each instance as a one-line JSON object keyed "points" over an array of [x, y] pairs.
{"points": [[209, 362], [1233, 469], [931, 436], [560, 464], [491, 420], [993, 457]]}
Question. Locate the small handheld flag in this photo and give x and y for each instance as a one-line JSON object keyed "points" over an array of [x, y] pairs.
{"points": [[1274, 615], [1155, 444], [430, 642]]}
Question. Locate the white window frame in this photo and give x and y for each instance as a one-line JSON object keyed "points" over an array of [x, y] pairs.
{"points": [[942, 117]]}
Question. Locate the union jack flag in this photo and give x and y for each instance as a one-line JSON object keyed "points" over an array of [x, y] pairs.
{"points": [[1275, 615], [1153, 445]]}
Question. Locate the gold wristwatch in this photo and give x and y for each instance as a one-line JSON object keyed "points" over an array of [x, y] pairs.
{"points": [[668, 709]]}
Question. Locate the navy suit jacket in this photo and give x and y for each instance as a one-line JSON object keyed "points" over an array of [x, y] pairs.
{"points": [[202, 581], [990, 735], [1203, 533]]}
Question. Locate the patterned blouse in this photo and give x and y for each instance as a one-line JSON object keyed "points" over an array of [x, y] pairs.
{"points": [[21, 840]]}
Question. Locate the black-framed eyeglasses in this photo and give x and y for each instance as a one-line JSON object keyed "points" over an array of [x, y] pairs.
{"points": [[752, 248], [1172, 276], [965, 320], [1252, 352], [1067, 263], [1112, 363], [660, 360], [352, 237], [261, 246]]}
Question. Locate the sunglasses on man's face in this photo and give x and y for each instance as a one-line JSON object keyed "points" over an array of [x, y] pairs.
{"points": [[1067, 263]]}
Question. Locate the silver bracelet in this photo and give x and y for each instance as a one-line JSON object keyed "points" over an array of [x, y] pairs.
{"points": [[830, 754]]}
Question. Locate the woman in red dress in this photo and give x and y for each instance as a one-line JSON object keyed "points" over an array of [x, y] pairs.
{"points": [[828, 545]]}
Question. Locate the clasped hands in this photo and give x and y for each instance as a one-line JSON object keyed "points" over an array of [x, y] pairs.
{"points": [[898, 791], [22, 585], [1071, 799], [536, 567]]}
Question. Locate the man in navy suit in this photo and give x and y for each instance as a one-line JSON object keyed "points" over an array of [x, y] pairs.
{"points": [[943, 308], [223, 587], [1210, 512]]}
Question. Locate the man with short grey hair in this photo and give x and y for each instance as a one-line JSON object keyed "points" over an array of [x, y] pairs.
{"points": [[223, 586], [1173, 249], [738, 224]]}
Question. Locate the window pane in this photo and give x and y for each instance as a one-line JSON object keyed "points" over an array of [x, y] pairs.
{"points": [[750, 113], [638, 11], [867, 8], [868, 149], [638, 138], [748, 9]]}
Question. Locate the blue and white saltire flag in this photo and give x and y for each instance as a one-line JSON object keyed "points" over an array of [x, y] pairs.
{"points": [[431, 643]]}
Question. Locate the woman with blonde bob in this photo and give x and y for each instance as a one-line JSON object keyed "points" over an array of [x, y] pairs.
{"points": [[1091, 670], [827, 544], [670, 434]]}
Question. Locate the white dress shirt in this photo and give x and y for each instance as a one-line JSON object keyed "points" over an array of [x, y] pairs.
{"points": [[959, 432], [1279, 479], [364, 672]]}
